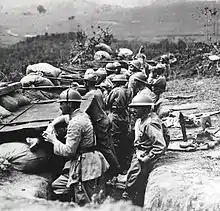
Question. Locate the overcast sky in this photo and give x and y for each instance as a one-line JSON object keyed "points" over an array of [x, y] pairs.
{"points": [[127, 3]]}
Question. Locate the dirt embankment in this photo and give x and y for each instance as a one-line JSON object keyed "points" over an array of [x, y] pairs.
{"points": [[188, 180]]}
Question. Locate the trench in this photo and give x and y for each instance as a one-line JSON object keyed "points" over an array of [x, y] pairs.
{"points": [[27, 190]]}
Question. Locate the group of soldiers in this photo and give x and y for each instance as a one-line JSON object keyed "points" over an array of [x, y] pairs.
{"points": [[113, 129]]}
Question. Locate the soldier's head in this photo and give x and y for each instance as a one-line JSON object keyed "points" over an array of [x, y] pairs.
{"points": [[90, 78], [101, 75], [160, 68], [110, 68], [119, 80], [134, 66], [140, 80], [69, 100], [118, 67], [142, 104]]}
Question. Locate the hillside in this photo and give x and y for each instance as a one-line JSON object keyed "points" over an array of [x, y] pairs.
{"points": [[144, 23]]}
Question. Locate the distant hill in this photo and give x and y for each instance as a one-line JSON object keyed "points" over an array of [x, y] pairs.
{"points": [[148, 23]]}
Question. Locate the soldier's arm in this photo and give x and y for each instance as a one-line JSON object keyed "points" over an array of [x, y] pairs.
{"points": [[59, 120], [155, 134], [73, 138], [110, 99]]}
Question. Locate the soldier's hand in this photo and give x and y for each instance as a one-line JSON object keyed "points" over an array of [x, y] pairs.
{"points": [[49, 137]]}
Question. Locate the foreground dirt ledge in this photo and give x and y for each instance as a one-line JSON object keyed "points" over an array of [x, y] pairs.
{"points": [[24, 204], [185, 181], [20, 191]]}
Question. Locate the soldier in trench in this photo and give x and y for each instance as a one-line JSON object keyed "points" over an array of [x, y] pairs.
{"points": [[117, 105], [100, 120], [83, 173], [149, 145]]}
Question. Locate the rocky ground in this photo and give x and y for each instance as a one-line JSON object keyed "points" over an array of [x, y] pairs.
{"points": [[181, 181]]}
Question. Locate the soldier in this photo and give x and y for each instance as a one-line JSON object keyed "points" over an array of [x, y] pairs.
{"points": [[107, 83], [82, 175], [165, 61], [101, 74], [137, 82], [117, 105], [101, 123], [134, 66], [149, 145], [157, 81]]}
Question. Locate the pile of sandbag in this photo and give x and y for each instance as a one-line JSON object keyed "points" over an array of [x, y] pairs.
{"points": [[104, 47], [45, 68], [99, 55], [20, 157], [125, 53], [4, 112], [104, 51], [35, 79], [11, 103]]}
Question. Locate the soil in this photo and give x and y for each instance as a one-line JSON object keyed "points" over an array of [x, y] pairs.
{"points": [[181, 181], [188, 180]]}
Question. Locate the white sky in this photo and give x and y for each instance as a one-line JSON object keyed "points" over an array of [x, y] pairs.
{"points": [[126, 3]]}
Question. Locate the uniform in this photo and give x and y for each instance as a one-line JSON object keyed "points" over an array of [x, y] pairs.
{"points": [[149, 142], [117, 104], [101, 124], [82, 172]]}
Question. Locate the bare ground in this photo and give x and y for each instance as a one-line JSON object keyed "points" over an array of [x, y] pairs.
{"points": [[188, 180]]}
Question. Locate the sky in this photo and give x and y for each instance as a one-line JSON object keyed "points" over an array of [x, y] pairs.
{"points": [[126, 3]]}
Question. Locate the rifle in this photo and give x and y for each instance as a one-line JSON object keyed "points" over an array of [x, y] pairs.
{"points": [[25, 122], [208, 113], [64, 79]]}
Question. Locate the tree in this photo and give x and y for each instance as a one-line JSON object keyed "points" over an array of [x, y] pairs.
{"points": [[209, 16], [41, 9]]}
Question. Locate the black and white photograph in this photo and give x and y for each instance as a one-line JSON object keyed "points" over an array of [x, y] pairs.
{"points": [[110, 105]]}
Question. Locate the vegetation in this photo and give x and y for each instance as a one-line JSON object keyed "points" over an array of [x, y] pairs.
{"points": [[60, 49]]}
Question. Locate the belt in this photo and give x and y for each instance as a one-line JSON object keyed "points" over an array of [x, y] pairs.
{"points": [[89, 149]]}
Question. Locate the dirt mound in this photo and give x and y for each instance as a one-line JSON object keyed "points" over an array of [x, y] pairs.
{"points": [[184, 181], [19, 203], [17, 184]]}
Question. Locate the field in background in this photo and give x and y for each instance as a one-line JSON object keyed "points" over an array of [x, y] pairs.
{"points": [[149, 23]]}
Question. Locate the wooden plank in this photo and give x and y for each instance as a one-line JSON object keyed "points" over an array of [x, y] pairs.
{"points": [[46, 88], [10, 88], [37, 116]]}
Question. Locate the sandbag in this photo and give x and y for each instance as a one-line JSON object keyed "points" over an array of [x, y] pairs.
{"points": [[125, 52], [22, 100], [99, 55], [22, 159], [4, 113], [104, 47], [45, 68], [36, 80], [9, 103]]}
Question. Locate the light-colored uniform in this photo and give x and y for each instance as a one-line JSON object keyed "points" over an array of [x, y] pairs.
{"points": [[84, 166], [149, 142]]}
